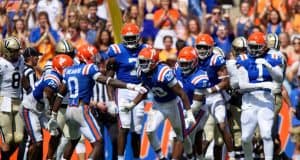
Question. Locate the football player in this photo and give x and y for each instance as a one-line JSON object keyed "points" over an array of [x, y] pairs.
{"points": [[168, 94], [79, 81], [11, 69], [257, 71], [35, 104], [215, 66], [122, 61], [279, 92], [239, 47], [194, 82]]}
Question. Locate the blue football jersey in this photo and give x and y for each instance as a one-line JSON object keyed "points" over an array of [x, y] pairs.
{"points": [[196, 80], [52, 80], [80, 82], [211, 65], [159, 82], [125, 60], [258, 72]]}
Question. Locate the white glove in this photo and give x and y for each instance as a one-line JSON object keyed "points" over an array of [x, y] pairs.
{"points": [[190, 120], [126, 106], [139, 88], [262, 61], [52, 123], [112, 108]]}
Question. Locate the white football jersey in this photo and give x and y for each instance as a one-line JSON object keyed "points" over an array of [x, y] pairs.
{"points": [[10, 77]]}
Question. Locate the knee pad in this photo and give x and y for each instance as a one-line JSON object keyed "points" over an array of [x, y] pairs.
{"points": [[18, 137]]}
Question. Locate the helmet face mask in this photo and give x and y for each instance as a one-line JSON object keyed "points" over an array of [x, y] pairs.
{"points": [[131, 41], [256, 50], [203, 51], [145, 65], [186, 66]]}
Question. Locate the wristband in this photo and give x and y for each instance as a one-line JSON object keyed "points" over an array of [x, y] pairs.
{"points": [[59, 95]]}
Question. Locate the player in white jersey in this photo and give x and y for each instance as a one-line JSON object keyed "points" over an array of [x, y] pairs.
{"points": [[273, 45], [239, 47], [11, 68], [257, 72]]}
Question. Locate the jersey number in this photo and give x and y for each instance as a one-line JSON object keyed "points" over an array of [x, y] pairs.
{"points": [[16, 80], [159, 92], [260, 72], [73, 87], [133, 71]]}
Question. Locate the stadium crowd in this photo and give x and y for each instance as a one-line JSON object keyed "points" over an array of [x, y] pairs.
{"points": [[219, 70]]}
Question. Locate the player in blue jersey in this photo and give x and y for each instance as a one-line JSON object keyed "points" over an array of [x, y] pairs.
{"points": [[194, 82], [167, 100], [257, 73], [122, 62], [35, 104], [215, 66], [79, 81]]}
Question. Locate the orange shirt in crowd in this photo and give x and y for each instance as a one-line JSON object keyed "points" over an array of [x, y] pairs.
{"points": [[47, 50], [295, 22], [172, 13]]}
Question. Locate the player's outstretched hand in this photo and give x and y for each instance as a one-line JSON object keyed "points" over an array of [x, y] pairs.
{"points": [[137, 87]]}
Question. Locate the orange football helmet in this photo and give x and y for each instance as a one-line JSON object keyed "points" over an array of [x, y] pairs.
{"points": [[60, 62], [204, 44], [88, 54], [130, 35], [147, 59], [187, 59], [257, 44]]}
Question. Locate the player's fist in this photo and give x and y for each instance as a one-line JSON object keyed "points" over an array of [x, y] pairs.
{"points": [[190, 119], [112, 108], [139, 88]]}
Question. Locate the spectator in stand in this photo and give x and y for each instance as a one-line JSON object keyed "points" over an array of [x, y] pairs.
{"points": [[44, 30], [3, 22], [72, 15], [168, 54], [216, 19], [104, 40], [286, 47], [294, 58], [86, 31], [148, 40], [165, 20], [244, 22], [295, 19], [224, 39], [275, 23], [180, 27], [20, 31], [132, 15], [193, 29], [146, 12], [92, 15], [73, 35], [54, 10]]}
